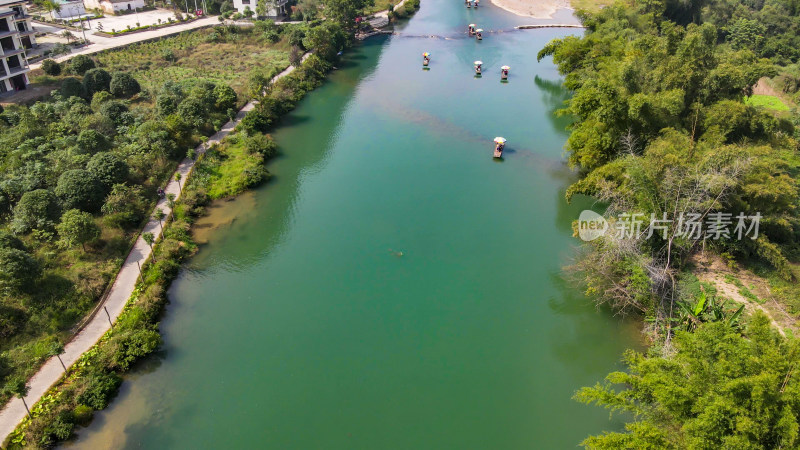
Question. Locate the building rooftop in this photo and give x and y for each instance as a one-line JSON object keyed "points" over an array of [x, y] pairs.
{"points": [[7, 3]]}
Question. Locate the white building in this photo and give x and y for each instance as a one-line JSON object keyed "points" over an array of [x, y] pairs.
{"points": [[16, 35], [277, 7], [112, 6], [68, 9]]}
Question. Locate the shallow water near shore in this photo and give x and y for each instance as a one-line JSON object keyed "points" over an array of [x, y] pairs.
{"points": [[392, 287]]}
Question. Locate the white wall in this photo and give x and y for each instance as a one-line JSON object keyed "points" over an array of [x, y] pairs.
{"points": [[69, 10]]}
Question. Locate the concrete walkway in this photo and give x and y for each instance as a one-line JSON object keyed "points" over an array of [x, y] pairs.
{"points": [[51, 372]]}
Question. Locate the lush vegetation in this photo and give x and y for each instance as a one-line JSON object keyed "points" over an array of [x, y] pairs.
{"points": [[225, 170], [719, 391], [80, 171], [92, 382], [766, 101], [665, 126], [221, 55]]}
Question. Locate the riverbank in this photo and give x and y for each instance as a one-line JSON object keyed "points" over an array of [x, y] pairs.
{"points": [[57, 410], [544, 9]]}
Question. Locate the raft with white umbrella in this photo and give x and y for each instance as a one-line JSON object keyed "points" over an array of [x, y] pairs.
{"points": [[478, 67], [499, 145], [426, 59], [479, 34], [472, 29], [504, 72]]}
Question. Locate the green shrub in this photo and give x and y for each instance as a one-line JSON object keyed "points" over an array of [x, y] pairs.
{"points": [[100, 389], [83, 415], [71, 87], [8, 240], [124, 206], [225, 97], [91, 141], [77, 227], [18, 269], [108, 168], [80, 64], [261, 144], [51, 67], [124, 84], [96, 80], [255, 121], [79, 189], [36, 210]]}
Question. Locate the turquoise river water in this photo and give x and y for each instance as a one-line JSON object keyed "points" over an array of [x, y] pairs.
{"points": [[392, 287]]}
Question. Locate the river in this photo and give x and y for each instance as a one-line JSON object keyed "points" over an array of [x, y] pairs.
{"points": [[392, 287]]}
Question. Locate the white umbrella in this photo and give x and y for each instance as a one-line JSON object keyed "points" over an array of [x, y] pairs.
{"points": [[478, 63], [500, 140]]}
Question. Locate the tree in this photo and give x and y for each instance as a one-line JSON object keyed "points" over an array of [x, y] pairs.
{"points": [[325, 40], [108, 168], [66, 34], [49, 6], [150, 238], [18, 269], [77, 227], [96, 80], [263, 7], [295, 56], [51, 67], [72, 87], [91, 142], [36, 210], [114, 110], [159, 215], [124, 84], [57, 349], [8, 240], [193, 111], [344, 12], [248, 12], [718, 390], [79, 189], [225, 97], [19, 387], [124, 206], [80, 64]]}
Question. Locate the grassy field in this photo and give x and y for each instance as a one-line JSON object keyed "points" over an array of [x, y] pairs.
{"points": [[200, 55], [766, 101], [590, 5]]}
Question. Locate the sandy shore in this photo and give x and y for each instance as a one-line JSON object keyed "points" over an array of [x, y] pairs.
{"points": [[538, 9]]}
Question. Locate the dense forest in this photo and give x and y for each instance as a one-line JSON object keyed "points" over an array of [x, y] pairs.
{"points": [[662, 128]]}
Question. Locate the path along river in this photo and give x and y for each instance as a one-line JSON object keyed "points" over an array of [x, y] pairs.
{"points": [[392, 287]]}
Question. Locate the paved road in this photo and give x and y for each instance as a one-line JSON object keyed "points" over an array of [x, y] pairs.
{"points": [[51, 372]]}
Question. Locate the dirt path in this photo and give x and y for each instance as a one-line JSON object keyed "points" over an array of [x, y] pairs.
{"points": [[50, 373], [712, 269]]}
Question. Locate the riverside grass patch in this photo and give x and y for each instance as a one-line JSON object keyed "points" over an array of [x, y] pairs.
{"points": [[206, 54], [766, 101]]}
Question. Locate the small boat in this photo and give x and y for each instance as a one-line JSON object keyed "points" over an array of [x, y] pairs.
{"points": [[471, 29], [469, 3], [478, 69], [475, 4], [504, 72], [426, 59], [479, 34], [499, 145]]}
